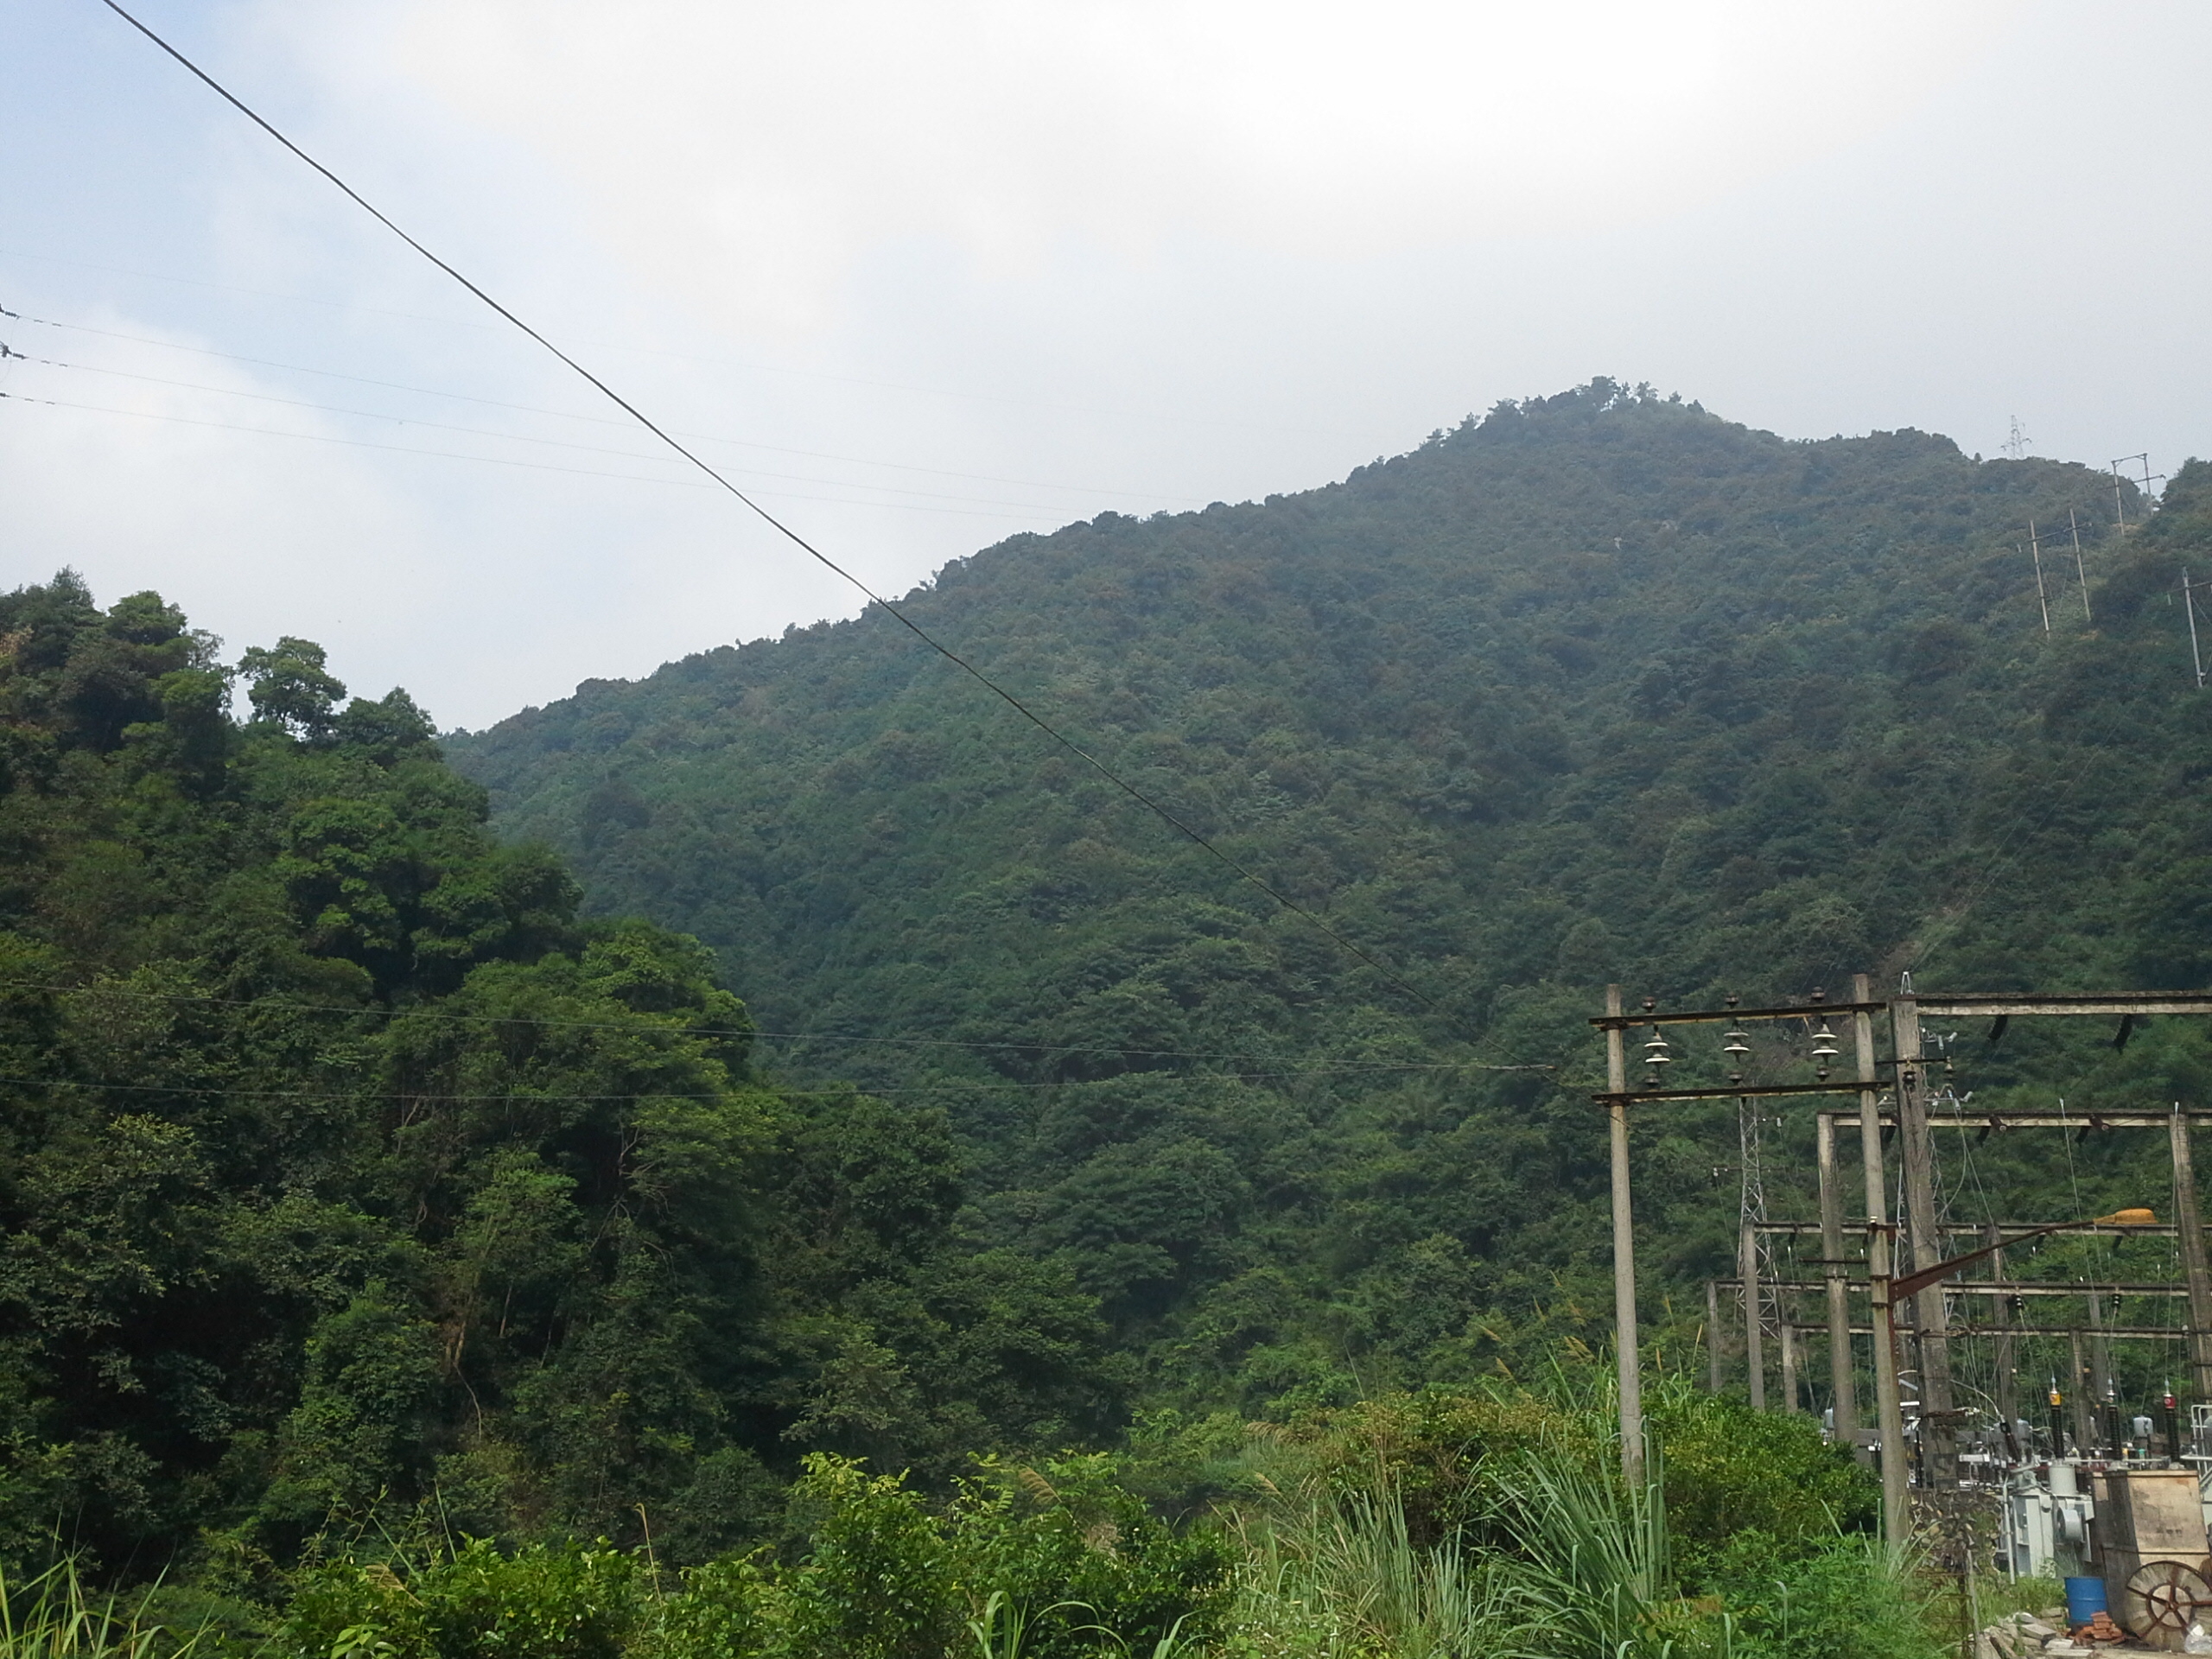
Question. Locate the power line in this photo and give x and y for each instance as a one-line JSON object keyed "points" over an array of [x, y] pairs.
{"points": [[514, 437], [832, 1039], [594, 420], [787, 532], [1149, 417], [950, 1085], [499, 460]]}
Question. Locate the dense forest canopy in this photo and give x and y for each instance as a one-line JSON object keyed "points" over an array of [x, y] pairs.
{"points": [[1597, 686], [346, 1165]]}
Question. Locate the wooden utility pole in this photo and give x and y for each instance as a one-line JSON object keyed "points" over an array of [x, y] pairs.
{"points": [[2035, 548], [2189, 1229], [1896, 1511], [2188, 607], [1616, 1101], [1626, 1360], [1937, 1445], [2080, 571], [1747, 1276], [1841, 1385]]}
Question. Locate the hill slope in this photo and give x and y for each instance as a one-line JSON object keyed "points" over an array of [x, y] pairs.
{"points": [[1598, 687]]}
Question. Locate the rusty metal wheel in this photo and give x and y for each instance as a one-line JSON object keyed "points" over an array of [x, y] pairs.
{"points": [[2163, 1596]]}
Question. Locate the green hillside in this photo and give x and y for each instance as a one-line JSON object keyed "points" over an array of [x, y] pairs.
{"points": [[1600, 686]]}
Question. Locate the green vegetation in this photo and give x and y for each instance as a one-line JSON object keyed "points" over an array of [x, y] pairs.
{"points": [[347, 1172], [407, 1251]]}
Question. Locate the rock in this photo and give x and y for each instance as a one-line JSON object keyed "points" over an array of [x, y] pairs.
{"points": [[2034, 1627]]}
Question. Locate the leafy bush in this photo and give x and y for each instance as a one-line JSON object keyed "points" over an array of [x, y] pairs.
{"points": [[1732, 1470], [725, 1609], [1085, 1565], [1843, 1599], [540, 1603], [878, 1584]]}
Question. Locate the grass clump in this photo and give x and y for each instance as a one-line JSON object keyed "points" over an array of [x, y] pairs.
{"points": [[54, 1614]]}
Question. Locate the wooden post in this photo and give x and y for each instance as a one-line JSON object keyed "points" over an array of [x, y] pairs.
{"points": [[1897, 1512], [1938, 1445], [1840, 1386], [1626, 1354], [1747, 1272], [2188, 1224], [1712, 1335]]}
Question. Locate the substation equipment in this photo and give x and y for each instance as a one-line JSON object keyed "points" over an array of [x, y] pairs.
{"points": [[2102, 1490]]}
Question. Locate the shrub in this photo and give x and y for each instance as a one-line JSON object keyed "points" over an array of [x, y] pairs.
{"points": [[541, 1603], [1732, 1470], [725, 1609], [878, 1584], [1084, 1564]]}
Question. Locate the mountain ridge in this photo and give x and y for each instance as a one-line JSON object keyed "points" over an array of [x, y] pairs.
{"points": [[1599, 686]]}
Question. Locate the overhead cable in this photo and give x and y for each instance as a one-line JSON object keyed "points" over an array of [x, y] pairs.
{"points": [[567, 415], [1155, 807], [505, 460], [831, 1039], [1031, 507]]}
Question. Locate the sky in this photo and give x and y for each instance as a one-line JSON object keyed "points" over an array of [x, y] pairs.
{"points": [[923, 277]]}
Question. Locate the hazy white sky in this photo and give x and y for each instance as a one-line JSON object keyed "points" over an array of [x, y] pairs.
{"points": [[925, 275]]}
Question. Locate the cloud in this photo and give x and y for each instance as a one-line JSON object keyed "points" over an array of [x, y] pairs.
{"points": [[748, 155]]}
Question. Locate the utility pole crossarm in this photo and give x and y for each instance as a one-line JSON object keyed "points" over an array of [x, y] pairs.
{"points": [[1718, 1016], [1734, 1091], [2003, 1004], [2001, 1121]]}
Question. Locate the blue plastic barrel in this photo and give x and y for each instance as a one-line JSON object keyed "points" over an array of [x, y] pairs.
{"points": [[2085, 1599]]}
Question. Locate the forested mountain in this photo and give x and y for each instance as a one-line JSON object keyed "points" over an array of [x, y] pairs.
{"points": [[368, 1174], [1597, 686], [345, 1171]]}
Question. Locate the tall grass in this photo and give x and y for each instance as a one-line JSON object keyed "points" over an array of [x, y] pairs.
{"points": [[1552, 1556], [1590, 1569], [1581, 1572], [53, 1615], [1342, 1576]]}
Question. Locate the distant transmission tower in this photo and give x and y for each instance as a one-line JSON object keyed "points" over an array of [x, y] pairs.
{"points": [[2016, 446]]}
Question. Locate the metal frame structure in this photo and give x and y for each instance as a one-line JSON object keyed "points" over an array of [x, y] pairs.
{"points": [[1915, 1124]]}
